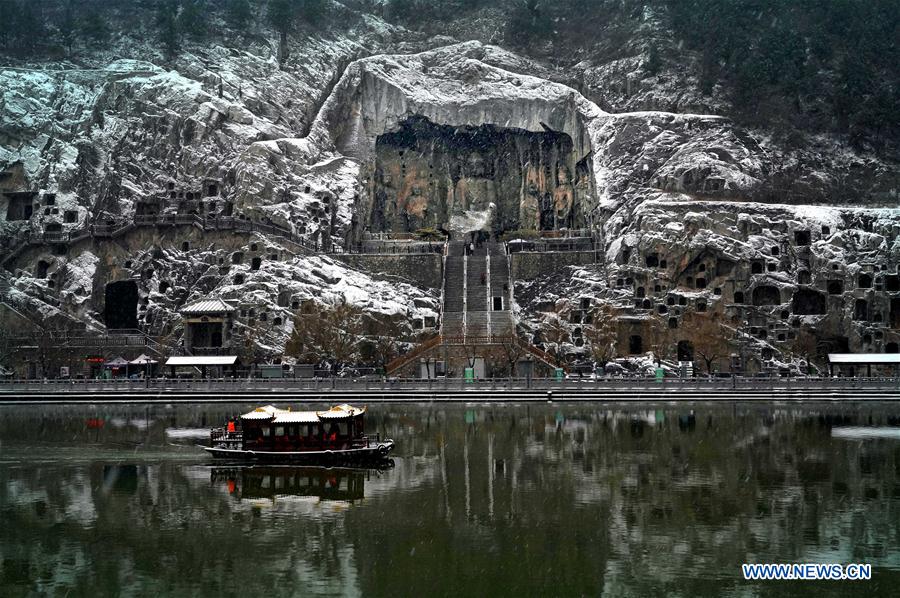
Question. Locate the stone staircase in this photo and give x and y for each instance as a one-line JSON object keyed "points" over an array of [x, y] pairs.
{"points": [[477, 324], [453, 318], [477, 297], [502, 323], [477, 308]]}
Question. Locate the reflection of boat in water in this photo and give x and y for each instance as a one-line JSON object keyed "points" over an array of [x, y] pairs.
{"points": [[271, 434], [327, 483]]}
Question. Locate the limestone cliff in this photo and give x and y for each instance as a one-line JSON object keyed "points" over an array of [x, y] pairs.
{"points": [[366, 127]]}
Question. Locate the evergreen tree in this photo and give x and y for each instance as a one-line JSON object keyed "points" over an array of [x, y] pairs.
{"points": [[167, 24], [402, 11], [528, 24], [238, 13], [281, 15], [313, 11], [193, 19], [30, 28], [9, 10], [654, 61], [94, 26], [68, 26]]}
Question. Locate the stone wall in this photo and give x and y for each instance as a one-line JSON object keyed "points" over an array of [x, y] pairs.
{"points": [[423, 270], [528, 265], [459, 357]]}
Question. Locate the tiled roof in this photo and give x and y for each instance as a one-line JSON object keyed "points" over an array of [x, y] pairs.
{"points": [[341, 411], [296, 417], [207, 306], [285, 416]]}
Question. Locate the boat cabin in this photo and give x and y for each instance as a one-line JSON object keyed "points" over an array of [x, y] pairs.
{"points": [[271, 429]]}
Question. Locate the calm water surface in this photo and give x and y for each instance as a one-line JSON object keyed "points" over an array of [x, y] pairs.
{"points": [[546, 500]]}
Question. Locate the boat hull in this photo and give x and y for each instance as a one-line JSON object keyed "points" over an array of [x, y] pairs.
{"points": [[373, 453]]}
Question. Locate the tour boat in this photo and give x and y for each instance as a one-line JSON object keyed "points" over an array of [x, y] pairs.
{"points": [[272, 434]]}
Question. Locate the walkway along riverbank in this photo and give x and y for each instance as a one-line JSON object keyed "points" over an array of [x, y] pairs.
{"points": [[397, 391]]}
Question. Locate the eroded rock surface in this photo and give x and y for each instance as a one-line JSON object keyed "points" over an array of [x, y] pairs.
{"points": [[687, 208]]}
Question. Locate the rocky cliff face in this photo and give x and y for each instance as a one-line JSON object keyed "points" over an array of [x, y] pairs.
{"points": [[692, 211], [426, 173]]}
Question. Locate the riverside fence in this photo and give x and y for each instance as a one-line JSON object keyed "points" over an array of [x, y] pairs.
{"points": [[272, 386]]}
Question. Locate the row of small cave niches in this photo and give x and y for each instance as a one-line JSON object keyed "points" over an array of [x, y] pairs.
{"points": [[23, 205], [208, 189], [804, 301]]}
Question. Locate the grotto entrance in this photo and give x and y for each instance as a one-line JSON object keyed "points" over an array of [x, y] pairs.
{"points": [[19, 206], [425, 173], [808, 302], [685, 351], [120, 309]]}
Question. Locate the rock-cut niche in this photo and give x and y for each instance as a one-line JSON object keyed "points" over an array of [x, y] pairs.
{"points": [[424, 173], [121, 305]]}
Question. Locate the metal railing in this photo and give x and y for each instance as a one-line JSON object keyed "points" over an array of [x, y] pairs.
{"points": [[777, 387], [547, 245]]}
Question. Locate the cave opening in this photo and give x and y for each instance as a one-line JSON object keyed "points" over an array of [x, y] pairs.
{"points": [[766, 295], [635, 344], [861, 310], [20, 206], [807, 302], [685, 351], [120, 309], [425, 173]]}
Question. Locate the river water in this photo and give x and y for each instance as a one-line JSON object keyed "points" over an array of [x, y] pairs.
{"points": [[526, 500]]}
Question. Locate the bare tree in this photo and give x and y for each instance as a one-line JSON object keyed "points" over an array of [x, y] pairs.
{"points": [[602, 335], [48, 346], [554, 330], [245, 343], [326, 333], [512, 350], [708, 337], [806, 345], [385, 346], [660, 339]]}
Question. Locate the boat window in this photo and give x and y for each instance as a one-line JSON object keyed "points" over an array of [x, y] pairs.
{"points": [[267, 431], [279, 430]]}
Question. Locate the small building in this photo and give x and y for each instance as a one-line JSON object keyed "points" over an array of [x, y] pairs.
{"points": [[207, 325], [850, 364], [216, 365]]}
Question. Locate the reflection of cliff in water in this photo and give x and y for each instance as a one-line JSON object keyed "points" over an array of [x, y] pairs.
{"points": [[254, 482], [534, 499]]}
